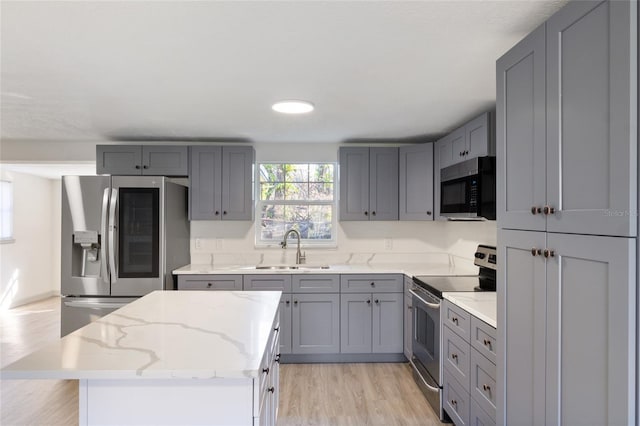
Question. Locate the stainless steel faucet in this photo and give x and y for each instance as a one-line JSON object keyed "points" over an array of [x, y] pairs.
{"points": [[300, 257]]}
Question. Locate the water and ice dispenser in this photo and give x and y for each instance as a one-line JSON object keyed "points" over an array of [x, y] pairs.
{"points": [[86, 254]]}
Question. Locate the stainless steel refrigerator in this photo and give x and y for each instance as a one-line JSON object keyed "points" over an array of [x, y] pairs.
{"points": [[121, 238]]}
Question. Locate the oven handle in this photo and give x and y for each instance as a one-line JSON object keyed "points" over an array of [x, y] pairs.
{"points": [[432, 388], [429, 304]]}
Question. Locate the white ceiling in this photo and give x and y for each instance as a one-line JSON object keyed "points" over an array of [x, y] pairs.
{"points": [[51, 170], [178, 70]]}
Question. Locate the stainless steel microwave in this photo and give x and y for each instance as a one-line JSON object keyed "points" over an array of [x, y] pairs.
{"points": [[468, 189]]}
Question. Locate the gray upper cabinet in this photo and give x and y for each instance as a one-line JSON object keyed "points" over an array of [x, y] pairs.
{"points": [[520, 116], [416, 182], [587, 183], [473, 139], [368, 183], [151, 160], [221, 182]]}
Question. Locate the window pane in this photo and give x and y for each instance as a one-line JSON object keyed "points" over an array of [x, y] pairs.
{"points": [[272, 191], [321, 191], [296, 173], [320, 172], [272, 222], [272, 172], [297, 191], [321, 221]]}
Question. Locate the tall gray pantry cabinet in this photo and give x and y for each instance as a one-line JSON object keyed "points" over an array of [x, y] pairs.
{"points": [[567, 210]]}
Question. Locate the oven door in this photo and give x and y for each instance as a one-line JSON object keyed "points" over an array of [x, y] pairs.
{"points": [[425, 344]]}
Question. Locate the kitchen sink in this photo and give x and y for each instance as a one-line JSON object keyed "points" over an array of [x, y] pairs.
{"points": [[291, 267]]}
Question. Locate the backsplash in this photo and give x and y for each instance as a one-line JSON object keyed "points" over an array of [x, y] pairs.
{"points": [[233, 243]]}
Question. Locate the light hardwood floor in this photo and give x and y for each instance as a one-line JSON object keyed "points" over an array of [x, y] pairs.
{"points": [[310, 394]]}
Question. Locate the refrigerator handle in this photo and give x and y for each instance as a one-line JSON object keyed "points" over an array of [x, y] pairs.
{"points": [[103, 231], [112, 235]]}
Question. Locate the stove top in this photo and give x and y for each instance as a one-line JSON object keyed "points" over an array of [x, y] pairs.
{"points": [[485, 258]]}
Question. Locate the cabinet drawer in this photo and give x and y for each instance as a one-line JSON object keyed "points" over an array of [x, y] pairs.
{"points": [[457, 318], [483, 338], [455, 400], [375, 283], [316, 283], [483, 382], [455, 356], [209, 282], [477, 416], [268, 282]]}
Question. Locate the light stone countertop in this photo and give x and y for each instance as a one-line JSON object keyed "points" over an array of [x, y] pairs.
{"points": [[163, 335], [410, 269], [481, 304]]}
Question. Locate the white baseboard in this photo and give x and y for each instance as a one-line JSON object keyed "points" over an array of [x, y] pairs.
{"points": [[34, 298]]}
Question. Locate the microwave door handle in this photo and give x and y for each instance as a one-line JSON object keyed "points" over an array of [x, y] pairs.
{"points": [[104, 231], [429, 304], [112, 235]]}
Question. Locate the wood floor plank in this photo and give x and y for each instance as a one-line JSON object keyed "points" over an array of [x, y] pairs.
{"points": [[310, 394]]}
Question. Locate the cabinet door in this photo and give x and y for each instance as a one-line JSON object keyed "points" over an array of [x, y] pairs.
{"points": [[122, 160], [444, 153], [520, 136], [355, 323], [316, 323], [477, 136], [285, 324], [237, 177], [205, 183], [521, 313], [354, 183], [387, 322], [592, 118], [383, 183], [165, 160], [416, 182], [458, 145], [591, 330]]}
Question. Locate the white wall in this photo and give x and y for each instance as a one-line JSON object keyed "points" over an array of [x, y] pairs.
{"points": [[230, 242], [29, 267]]}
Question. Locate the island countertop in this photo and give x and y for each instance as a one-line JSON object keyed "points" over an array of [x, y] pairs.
{"points": [[163, 335], [482, 304]]}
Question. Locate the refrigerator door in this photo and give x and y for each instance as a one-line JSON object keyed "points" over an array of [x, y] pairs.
{"points": [[76, 312], [136, 235], [84, 258]]}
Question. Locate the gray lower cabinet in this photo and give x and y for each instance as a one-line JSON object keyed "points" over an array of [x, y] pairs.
{"points": [[469, 387], [416, 182], [369, 283], [285, 323], [567, 159], [151, 160], [368, 183], [569, 329], [210, 282], [220, 180], [315, 323], [371, 323]]}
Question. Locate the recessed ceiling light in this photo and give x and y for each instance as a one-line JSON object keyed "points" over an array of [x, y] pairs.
{"points": [[293, 107]]}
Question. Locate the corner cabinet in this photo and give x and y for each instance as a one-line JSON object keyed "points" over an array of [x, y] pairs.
{"points": [[573, 168], [150, 160], [220, 180], [368, 183], [473, 139], [416, 182]]}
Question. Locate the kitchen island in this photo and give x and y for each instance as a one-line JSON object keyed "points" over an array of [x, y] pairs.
{"points": [[171, 358]]}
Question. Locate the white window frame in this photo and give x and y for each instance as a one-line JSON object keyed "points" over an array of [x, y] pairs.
{"points": [[4, 210], [308, 243]]}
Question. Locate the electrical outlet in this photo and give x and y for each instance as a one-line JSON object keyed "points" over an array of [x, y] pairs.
{"points": [[197, 244], [388, 244]]}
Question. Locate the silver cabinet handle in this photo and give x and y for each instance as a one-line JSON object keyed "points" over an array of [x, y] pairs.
{"points": [[112, 236]]}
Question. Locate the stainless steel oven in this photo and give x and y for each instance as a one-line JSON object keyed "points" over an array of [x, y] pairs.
{"points": [[426, 345]]}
